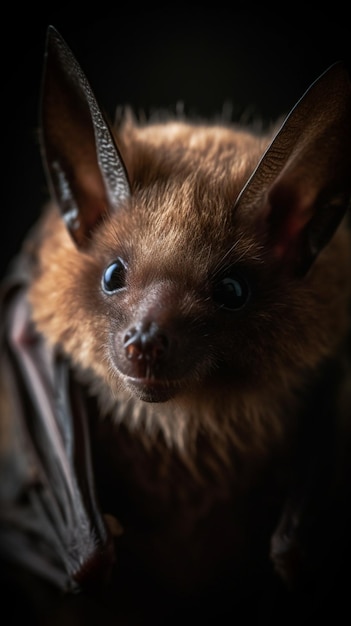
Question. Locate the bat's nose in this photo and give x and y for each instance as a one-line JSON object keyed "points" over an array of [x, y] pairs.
{"points": [[145, 344]]}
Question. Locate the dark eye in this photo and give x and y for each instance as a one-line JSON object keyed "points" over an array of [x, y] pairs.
{"points": [[231, 292], [114, 276]]}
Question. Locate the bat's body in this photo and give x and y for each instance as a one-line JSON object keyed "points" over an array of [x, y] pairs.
{"points": [[197, 279]]}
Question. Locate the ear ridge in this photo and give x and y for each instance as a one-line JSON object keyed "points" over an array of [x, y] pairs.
{"points": [[301, 187], [85, 170]]}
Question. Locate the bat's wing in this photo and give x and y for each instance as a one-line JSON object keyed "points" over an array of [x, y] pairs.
{"points": [[50, 522], [311, 546]]}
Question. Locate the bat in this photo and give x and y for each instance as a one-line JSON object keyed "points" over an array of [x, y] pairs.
{"points": [[176, 365]]}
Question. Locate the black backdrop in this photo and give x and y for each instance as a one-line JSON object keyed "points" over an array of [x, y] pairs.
{"points": [[255, 59]]}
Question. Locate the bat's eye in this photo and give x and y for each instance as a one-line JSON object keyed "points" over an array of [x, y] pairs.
{"points": [[114, 276], [231, 291]]}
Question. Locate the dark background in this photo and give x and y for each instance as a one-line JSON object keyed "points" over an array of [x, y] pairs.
{"points": [[255, 59]]}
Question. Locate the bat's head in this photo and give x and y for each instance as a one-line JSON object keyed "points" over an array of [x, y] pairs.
{"points": [[188, 258]]}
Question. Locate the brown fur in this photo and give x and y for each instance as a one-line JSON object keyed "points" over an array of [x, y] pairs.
{"points": [[241, 396], [198, 481], [291, 328]]}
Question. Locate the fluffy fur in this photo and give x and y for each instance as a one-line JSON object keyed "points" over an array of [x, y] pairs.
{"points": [[181, 227], [197, 473]]}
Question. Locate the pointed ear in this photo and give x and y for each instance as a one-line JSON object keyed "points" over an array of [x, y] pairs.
{"points": [[85, 171], [301, 188]]}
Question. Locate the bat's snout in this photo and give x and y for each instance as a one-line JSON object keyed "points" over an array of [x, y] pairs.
{"points": [[154, 351], [146, 346]]}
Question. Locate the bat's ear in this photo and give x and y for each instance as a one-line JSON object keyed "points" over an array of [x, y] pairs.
{"points": [[85, 170], [301, 188]]}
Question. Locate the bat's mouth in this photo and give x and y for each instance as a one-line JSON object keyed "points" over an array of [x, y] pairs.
{"points": [[153, 389]]}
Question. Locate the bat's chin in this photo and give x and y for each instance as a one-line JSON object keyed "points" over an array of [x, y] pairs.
{"points": [[151, 389]]}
